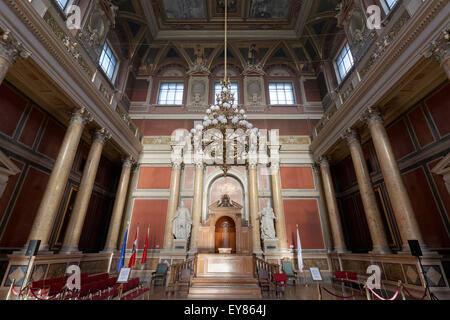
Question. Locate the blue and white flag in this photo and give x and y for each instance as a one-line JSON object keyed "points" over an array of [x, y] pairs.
{"points": [[299, 253], [122, 252]]}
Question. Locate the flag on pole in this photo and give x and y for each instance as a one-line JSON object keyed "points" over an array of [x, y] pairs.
{"points": [[144, 254], [133, 252], [299, 253], [122, 252]]}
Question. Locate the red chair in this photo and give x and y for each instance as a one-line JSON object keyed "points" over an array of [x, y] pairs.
{"points": [[280, 282]]}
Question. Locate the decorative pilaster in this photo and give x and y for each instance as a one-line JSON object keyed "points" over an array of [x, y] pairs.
{"points": [[119, 204], [197, 206], [48, 209], [280, 224], [174, 195], [326, 218], [76, 222], [373, 216], [254, 208], [401, 204], [439, 50], [10, 49], [333, 210]]}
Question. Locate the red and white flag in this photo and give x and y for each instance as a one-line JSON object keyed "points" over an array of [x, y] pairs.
{"points": [[144, 254], [133, 252]]}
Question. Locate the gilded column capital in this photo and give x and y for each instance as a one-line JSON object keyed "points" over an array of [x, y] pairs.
{"points": [[129, 162], [352, 136], [371, 116], [81, 115], [439, 47], [11, 48], [102, 135], [324, 161]]}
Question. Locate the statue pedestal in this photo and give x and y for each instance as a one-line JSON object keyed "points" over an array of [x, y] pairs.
{"points": [[179, 245], [270, 244]]}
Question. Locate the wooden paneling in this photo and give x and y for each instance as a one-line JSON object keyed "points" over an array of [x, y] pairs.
{"points": [[12, 106], [52, 139], [12, 183], [440, 185], [425, 209], [32, 126], [25, 209], [420, 126], [402, 144], [439, 107]]}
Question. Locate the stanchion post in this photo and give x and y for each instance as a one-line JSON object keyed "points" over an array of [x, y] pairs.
{"points": [[368, 293], [318, 289], [400, 285], [120, 291], [11, 288]]}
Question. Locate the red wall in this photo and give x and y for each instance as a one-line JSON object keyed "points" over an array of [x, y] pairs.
{"points": [[439, 107], [148, 212], [425, 209], [23, 124], [25, 209], [427, 196], [154, 178], [305, 213], [297, 178]]}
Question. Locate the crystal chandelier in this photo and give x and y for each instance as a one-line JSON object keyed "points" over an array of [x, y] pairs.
{"points": [[225, 116]]}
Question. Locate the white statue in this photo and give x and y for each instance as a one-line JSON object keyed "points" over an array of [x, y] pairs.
{"points": [[266, 217], [182, 223]]}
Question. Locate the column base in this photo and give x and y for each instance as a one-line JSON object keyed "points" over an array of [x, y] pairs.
{"points": [[381, 250], [69, 250], [341, 250], [110, 250]]}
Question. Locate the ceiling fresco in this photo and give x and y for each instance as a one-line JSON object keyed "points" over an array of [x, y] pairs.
{"points": [[303, 50]]}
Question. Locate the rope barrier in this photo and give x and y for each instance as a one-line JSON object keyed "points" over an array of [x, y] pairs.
{"points": [[415, 298], [13, 290], [381, 298], [344, 297]]}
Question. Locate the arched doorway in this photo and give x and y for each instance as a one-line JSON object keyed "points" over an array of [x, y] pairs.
{"points": [[225, 236]]}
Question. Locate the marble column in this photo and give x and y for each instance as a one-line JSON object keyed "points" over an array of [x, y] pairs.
{"points": [[197, 206], [325, 216], [76, 222], [333, 210], [119, 204], [401, 204], [439, 48], [254, 207], [278, 207], [373, 216], [173, 203], [48, 209], [10, 49]]}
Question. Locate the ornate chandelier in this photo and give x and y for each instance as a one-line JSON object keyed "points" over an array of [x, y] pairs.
{"points": [[226, 123]]}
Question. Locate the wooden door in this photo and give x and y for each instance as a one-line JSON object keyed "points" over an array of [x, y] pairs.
{"points": [[225, 234]]}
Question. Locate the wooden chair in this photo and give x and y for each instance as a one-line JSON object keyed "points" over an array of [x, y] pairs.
{"points": [[184, 281], [280, 282], [289, 271], [160, 274], [265, 282]]}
